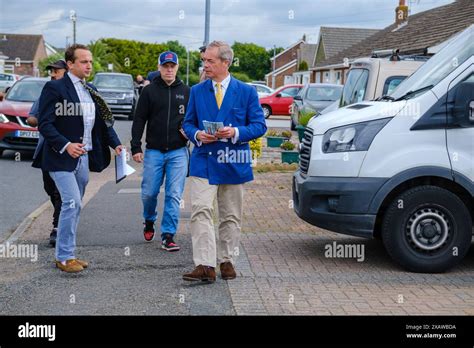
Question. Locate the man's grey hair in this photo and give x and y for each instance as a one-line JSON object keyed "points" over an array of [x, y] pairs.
{"points": [[225, 51]]}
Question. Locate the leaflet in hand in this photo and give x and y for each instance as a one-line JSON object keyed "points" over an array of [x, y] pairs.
{"points": [[212, 127]]}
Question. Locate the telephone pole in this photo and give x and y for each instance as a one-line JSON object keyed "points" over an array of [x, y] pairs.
{"points": [[73, 17], [207, 22]]}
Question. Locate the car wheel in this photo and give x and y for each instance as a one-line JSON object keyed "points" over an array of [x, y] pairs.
{"points": [[266, 111], [427, 229]]}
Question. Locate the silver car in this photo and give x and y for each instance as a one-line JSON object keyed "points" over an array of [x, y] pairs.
{"points": [[7, 80], [315, 97]]}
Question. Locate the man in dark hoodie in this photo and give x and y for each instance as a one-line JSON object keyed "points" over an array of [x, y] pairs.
{"points": [[161, 107]]}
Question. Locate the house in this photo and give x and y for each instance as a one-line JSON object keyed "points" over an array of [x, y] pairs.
{"points": [[332, 41], [22, 53], [304, 56], [284, 65], [419, 34]]}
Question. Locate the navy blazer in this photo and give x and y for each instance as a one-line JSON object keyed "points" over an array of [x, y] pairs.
{"points": [[224, 162], [60, 121]]}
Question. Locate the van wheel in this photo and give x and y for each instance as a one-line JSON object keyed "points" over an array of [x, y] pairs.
{"points": [[427, 229], [266, 111]]}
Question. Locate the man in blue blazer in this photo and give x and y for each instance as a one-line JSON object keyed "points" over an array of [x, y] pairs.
{"points": [[77, 127], [220, 162]]}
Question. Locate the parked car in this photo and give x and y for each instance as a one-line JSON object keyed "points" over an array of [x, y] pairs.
{"points": [[262, 90], [399, 168], [119, 92], [315, 97], [15, 133], [278, 102], [7, 80]]}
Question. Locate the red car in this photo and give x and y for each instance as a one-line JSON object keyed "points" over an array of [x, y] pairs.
{"points": [[279, 102], [15, 134]]}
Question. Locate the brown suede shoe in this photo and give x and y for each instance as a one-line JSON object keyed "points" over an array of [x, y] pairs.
{"points": [[83, 263], [227, 271], [201, 273], [71, 266]]}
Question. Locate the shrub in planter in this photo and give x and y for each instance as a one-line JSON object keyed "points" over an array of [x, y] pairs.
{"points": [[274, 138], [288, 155], [303, 119], [286, 134]]}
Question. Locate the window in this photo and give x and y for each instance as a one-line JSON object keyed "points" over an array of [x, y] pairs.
{"points": [[443, 63], [4, 77], [289, 92], [391, 83], [355, 87], [323, 93]]}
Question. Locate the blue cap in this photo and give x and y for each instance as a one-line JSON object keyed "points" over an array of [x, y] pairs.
{"points": [[168, 57]]}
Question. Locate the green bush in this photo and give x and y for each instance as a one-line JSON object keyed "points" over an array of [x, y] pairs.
{"points": [[286, 134], [288, 146], [304, 116]]}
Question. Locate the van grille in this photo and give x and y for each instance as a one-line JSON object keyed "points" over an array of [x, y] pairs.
{"points": [[305, 150]]}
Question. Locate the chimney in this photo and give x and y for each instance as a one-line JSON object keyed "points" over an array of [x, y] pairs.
{"points": [[401, 12]]}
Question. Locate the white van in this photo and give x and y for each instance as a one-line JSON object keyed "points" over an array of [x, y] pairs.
{"points": [[401, 168], [372, 78]]}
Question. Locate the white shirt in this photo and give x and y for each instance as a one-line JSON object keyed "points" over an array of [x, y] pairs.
{"points": [[88, 112], [224, 87]]}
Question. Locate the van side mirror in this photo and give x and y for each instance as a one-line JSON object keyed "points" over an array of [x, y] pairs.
{"points": [[463, 110]]}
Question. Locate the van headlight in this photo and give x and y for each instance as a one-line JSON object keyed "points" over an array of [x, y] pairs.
{"points": [[354, 137], [3, 119]]}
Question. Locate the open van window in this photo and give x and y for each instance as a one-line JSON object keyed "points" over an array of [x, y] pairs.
{"points": [[355, 87], [438, 67]]}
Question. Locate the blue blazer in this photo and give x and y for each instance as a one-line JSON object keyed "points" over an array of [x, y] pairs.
{"points": [[224, 162], [58, 130]]}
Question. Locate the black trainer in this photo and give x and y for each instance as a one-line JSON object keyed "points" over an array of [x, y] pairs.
{"points": [[52, 237], [168, 243], [149, 231]]}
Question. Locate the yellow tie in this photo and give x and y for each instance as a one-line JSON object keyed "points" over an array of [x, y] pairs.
{"points": [[219, 94]]}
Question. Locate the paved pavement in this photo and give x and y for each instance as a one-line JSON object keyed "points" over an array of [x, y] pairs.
{"points": [[283, 266]]}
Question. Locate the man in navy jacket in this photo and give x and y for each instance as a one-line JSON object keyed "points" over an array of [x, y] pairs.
{"points": [[77, 139], [220, 162]]}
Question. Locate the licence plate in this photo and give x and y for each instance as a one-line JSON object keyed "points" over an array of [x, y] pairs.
{"points": [[111, 101], [27, 134]]}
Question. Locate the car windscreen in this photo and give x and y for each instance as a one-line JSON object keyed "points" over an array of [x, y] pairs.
{"points": [[355, 87], [25, 91], [443, 63], [323, 93], [113, 81], [4, 77]]}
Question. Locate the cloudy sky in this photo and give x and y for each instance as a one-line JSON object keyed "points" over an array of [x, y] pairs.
{"points": [[264, 22]]}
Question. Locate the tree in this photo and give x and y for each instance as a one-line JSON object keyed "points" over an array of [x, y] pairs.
{"points": [[102, 56], [48, 60], [250, 59]]}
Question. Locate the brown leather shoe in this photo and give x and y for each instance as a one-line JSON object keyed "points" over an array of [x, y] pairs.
{"points": [[201, 273], [227, 271], [83, 263], [71, 266]]}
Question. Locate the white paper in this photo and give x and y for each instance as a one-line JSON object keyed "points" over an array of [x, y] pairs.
{"points": [[122, 169]]}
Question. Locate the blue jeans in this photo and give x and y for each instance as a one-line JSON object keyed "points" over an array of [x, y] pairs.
{"points": [[71, 187], [156, 166]]}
